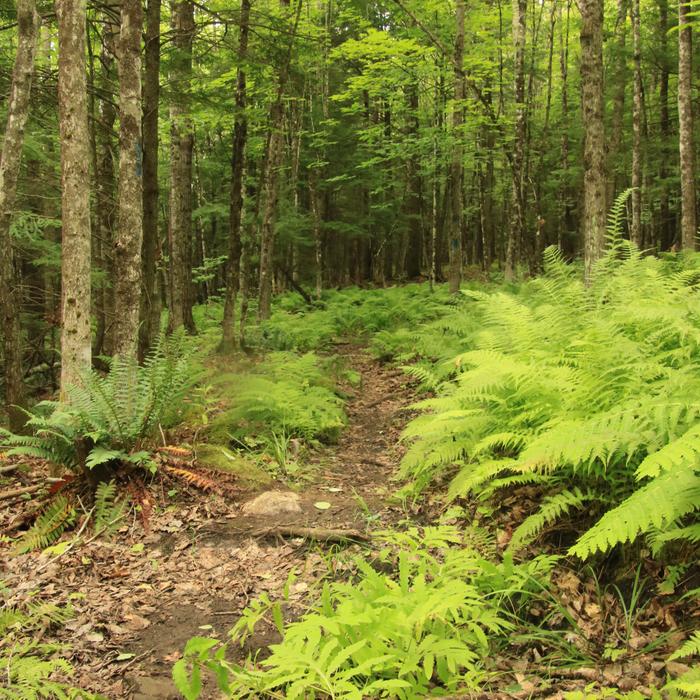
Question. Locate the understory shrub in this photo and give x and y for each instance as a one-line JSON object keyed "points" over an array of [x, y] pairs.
{"points": [[429, 623], [284, 394], [591, 394], [32, 669], [112, 417]]}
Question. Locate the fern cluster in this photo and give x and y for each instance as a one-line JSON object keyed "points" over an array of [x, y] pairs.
{"points": [[431, 622], [30, 668], [284, 394], [589, 392], [111, 417]]}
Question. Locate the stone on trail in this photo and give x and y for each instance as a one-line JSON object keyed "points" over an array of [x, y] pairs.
{"points": [[273, 503]]}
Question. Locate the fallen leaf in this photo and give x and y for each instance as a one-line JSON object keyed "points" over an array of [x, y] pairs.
{"points": [[322, 505]]}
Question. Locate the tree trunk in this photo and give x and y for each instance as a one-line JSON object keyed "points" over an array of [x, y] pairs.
{"points": [[181, 146], [270, 192], [150, 301], [129, 238], [666, 232], [456, 166], [594, 146], [685, 126], [517, 219], [28, 23], [616, 159], [240, 136], [636, 224], [75, 188]]}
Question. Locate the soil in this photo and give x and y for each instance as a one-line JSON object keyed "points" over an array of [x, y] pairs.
{"points": [[139, 597]]}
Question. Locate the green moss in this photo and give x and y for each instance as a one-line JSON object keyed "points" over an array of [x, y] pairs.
{"points": [[220, 458]]}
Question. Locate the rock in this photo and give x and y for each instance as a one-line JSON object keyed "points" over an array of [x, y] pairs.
{"points": [[273, 503], [155, 688]]}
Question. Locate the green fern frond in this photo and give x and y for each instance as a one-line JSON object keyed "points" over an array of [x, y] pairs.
{"points": [[689, 648], [665, 499], [553, 508], [49, 526]]}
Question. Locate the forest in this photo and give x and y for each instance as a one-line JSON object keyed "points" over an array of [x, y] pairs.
{"points": [[350, 349]]}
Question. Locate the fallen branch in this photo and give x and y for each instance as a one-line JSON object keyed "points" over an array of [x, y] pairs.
{"points": [[5, 495], [314, 533], [9, 468]]}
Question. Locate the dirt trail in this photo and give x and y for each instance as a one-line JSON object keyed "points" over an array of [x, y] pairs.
{"points": [[138, 599]]}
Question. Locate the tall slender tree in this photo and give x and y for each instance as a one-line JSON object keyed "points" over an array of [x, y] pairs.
{"points": [[636, 223], [456, 165], [181, 151], [129, 235], [685, 126], [517, 220], [592, 104], [150, 302], [240, 137], [28, 23], [76, 351]]}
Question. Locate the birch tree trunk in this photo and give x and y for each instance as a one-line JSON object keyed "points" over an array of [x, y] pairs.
{"points": [[150, 302], [594, 146], [685, 126], [636, 223], [618, 73], [28, 23], [129, 236], [517, 219], [76, 355], [456, 166]]}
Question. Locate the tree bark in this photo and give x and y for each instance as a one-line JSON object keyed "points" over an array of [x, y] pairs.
{"points": [[517, 219], [28, 23], [456, 166], [616, 161], [181, 147], [129, 237], [666, 232], [150, 301], [75, 194], [593, 219], [270, 193], [636, 223], [240, 137], [685, 126]]}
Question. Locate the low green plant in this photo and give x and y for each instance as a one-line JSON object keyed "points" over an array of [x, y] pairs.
{"points": [[431, 622], [32, 669], [283, 395], [111, 418]]}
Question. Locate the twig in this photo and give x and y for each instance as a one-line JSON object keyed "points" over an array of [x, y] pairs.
{"points": [[314, 533], [4, 495]]}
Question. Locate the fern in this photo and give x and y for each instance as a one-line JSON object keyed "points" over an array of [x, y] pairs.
{"points": [[553, 507], [48, 527], [658, 504], [689, 648], [108, 510]]}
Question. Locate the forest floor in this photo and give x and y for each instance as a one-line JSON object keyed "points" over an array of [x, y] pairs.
{"points": [[139, 597], [203, 557]]}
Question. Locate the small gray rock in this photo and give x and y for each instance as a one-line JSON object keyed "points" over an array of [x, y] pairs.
{"points": [[273, 503]]}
